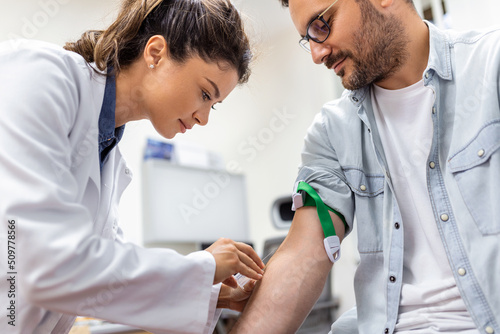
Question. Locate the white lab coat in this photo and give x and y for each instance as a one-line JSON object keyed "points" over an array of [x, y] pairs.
{"points": [[70, 258]]}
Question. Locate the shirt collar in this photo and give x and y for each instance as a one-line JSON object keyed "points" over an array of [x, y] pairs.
{"points": [[107, 123], [109, 136], [439, 53]]}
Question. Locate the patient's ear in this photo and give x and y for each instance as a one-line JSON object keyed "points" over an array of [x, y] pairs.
{"points": [[386, 3]]}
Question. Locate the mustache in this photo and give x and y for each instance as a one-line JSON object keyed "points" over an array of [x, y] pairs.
{"points": [[332, 59]]}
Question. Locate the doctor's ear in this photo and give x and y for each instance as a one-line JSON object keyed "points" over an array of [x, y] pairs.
{"points": [[156, 49]]}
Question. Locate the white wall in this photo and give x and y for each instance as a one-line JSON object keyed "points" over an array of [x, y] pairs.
{"points": [[477, 14], [284, 82], [55, 21]]}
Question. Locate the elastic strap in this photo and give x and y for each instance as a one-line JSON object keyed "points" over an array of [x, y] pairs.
{"points": [[321, 208]]}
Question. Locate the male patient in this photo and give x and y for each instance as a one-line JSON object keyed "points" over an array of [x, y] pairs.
{"points": [[411, 153]]}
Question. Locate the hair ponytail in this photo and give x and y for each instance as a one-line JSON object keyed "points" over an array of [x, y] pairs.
{"points": [[102, 46], [210, 29]]}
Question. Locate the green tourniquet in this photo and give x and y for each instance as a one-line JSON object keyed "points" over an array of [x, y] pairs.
{"points": [[312, 199]]}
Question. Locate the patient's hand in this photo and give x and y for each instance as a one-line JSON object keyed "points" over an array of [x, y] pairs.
{"points": [[235, 298]]}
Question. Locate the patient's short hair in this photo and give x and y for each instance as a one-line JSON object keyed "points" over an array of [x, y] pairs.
{"points": [[284, 3]]}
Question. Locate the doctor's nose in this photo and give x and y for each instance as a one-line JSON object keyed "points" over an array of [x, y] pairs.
{"points": [[319, 51], [202, 116]]}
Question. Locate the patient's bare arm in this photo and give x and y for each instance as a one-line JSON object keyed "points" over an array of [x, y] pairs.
{"points": [[293, 279]]}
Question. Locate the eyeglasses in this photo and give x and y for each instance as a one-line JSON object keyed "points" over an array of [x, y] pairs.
{"points": [[318, 30]]}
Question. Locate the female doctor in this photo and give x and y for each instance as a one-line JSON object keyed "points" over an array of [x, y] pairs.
{"points": [[62, 112]]}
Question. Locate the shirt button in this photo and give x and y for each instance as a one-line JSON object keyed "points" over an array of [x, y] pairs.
{"points": [[355, 99], [432, 164], [427, 75], [392, 279], [489, 330], [433, 110], [386, 330], [396, 226], [363, 187], [461, 271], [444, 217], [127, 171], [480, 153]]}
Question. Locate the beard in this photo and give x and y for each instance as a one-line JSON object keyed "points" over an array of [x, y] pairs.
{"points": [[380, 49]]}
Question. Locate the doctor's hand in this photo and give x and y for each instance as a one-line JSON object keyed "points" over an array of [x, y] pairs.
{"points": [[235, 298], [234, 257]]}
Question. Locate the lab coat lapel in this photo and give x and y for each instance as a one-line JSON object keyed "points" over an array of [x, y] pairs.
{"points": [[99, 84], [92, 194], [95, 177]]}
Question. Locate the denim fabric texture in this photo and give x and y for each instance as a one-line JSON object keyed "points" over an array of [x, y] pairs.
{"points": [[343, 160], [108, 135]]}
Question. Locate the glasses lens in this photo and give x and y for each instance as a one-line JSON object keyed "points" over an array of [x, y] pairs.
{"points": [[304, 43], [318, 30]]}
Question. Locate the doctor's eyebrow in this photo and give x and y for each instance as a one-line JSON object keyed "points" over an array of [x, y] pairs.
{"points": [[217, 92]]}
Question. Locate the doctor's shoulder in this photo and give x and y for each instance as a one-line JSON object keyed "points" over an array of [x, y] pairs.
{"points": [[50, 80], [34, 55]]}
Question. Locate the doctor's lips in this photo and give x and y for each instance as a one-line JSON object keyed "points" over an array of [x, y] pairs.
{"points": [[185, 127]]}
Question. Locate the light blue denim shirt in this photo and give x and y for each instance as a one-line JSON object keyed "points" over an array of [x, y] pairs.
{"points": [[343, 159]]}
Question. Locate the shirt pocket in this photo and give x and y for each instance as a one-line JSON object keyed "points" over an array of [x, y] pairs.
{"points": [[368, 190], [476, 169]]}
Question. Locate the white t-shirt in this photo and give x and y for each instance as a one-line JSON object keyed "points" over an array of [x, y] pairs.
{"points": [[430, 299]]}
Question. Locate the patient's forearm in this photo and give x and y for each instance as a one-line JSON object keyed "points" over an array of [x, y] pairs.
{"points": [[292, 282], [286, 294]]}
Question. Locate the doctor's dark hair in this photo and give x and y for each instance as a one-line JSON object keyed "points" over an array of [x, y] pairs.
{"points": [[210, 29]]}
